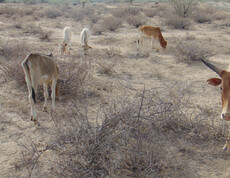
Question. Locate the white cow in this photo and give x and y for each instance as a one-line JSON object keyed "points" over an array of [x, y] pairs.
{"points": [[85, 37], [65, 46]]}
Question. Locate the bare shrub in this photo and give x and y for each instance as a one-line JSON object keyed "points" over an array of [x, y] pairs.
{"points": [[203, 15], [13, 49], [227, 24], [95, 18], [122, 12], [75, 76], [184, 8], [136, 21], [97, 29], [189, 51], [12, 71], [53, 13], [78, 14], [138, 137], [178, 22], [37, 30], [107, 67], [150, 12], [45, 34], [111, 23], [11, 12]]}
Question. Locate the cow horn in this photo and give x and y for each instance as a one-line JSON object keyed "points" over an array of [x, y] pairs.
{"points": [[211, 66]]}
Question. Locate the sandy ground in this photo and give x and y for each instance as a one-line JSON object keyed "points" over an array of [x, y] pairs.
{"points": [[157, 69]]}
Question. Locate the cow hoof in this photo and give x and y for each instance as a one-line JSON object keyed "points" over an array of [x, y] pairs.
{"points": [[45, 109], [226, 148], [36, 122], [31, 118]]}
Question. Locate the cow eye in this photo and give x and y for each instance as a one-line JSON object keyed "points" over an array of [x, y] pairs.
{"points": [[221, 88]]}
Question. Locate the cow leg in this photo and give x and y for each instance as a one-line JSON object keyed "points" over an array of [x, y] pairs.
{"points": [[152, 42], [142, 38], [35, 88], [54, 83], [45, 96], [227, 144]]}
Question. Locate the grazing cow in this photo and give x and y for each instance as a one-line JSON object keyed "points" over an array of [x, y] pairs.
{"points": [[224, 82], [41, 69], [85, 37], [65, 46], [147, 31]]}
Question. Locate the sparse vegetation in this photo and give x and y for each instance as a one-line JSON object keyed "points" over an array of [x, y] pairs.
{"points": [[75, 77], [189, 51], [178, 22], [53, 13], [123, 111], [136, 21], [111, 23], [184, 8]]}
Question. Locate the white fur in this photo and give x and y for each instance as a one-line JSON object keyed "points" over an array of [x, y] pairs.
{"points": [[66, 36], [85, 36], [65, 46]]}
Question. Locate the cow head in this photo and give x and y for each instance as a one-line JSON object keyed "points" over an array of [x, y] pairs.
{"points": [[224, 82], [63, 48], [164, 44]]}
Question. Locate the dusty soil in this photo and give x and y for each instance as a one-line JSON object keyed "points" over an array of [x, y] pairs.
{"points": [[133, 66]]}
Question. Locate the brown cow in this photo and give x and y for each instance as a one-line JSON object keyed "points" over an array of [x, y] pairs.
{"points": [[151, 32], [224, 82], [41, 69]]}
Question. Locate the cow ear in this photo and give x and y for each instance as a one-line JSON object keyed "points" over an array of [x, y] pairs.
{"points": [[214, 81]]}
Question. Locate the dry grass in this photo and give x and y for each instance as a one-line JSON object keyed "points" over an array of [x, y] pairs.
{"points": [[42, 33], [136, 21], [178, 22], [12, 71], [76, 77], [122, 12], [111, 23], [190, 51], [53, 13], [137, 137], [78, 14], [15, 12], [150, 12]]}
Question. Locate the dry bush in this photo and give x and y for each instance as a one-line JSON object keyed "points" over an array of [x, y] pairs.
{"points": [[111, 23], [37, 30], [53, 13], [150, 12], [107, 67], [177, 22], [188, 51], [136, 21], [45, 34], [12, 71], [75, 76], [122, 12], [13, 52], [94, 19], [78, 14], [203, 15], [227, 24], [184, 8], [13, 49], [12, 12], [97, 29], [138, 137]]}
